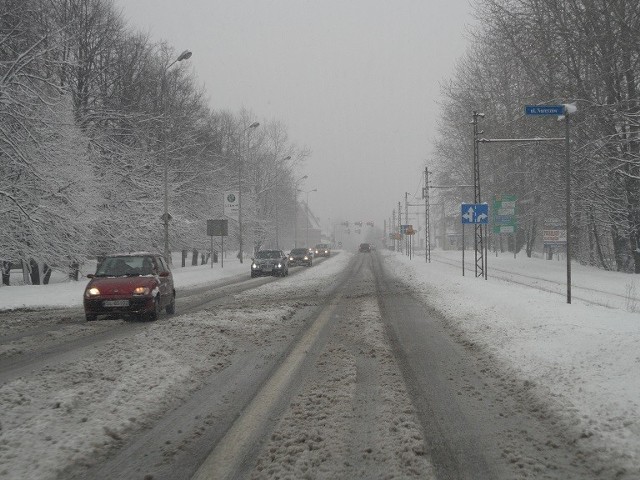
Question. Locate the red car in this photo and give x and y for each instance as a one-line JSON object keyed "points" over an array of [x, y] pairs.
{"points": [[138, 285]]}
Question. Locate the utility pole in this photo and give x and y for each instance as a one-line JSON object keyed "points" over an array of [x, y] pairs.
{"points": [[406, 219], [384, 233], [427, 231], [400, 228], [444, 226], [393, 222], [478, 228]]}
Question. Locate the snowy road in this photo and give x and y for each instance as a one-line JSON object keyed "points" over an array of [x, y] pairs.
{"points": [[338, 371]]}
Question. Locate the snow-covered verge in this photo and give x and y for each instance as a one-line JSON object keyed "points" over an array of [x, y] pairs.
{"points": [[62, 292], [580, 359], [76, 411]]}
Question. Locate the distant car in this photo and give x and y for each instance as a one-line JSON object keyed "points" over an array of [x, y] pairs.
{"points": [[322, 250], [364, 248], [300, 256], [136, 285], [270, 262]]}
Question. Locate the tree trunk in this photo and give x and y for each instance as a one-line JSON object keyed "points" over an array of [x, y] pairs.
{"points": [[26, 277], [619, 249], [549, 252], [74, 272], [636, 251], [46, 270], [6, 272], [598, 246], [34, 272], [194, 257], [531, 239]]}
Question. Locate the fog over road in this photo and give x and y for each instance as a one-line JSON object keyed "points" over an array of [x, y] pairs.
{"points": [[335, 371]]}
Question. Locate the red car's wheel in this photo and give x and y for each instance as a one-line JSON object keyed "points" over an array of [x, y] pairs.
{"points": [[155, 313], [171, 308]]}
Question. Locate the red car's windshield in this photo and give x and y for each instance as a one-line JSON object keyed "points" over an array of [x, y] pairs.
{"points": [[125, 266]]}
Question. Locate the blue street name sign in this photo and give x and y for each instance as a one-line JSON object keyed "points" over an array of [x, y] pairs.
{"points": [[544, 109], [475, 213]]}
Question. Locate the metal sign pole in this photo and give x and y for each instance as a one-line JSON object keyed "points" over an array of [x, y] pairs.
{"points": [[427, 230], [568, 203], [486, 250], [565, 110], [463, 249], [478, 236]]}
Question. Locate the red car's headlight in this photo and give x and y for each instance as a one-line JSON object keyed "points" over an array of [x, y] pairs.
{"points": [[91, 292], [141, 291]]}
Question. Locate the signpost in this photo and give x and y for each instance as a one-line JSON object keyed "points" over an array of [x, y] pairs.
{"points": [[409, 232], [218, 228], [476, 214], [554, 237], [563, 112], [504, 214], [231, 204], [553, 110]]}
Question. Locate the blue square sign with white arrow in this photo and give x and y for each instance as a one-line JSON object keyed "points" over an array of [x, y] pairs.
{"points": [[475, 213]]}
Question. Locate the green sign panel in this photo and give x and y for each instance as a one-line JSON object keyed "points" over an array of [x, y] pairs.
{"points": [[504, 214]]}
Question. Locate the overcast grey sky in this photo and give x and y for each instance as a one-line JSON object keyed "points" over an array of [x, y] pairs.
{"points": [[357, 81]]}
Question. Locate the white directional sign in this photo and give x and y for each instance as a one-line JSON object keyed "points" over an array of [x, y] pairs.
{"points": [[231, 204]]}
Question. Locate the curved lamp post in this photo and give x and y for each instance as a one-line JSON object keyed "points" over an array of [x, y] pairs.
{"points": [[295, 213], [240, 253], [307, 211], [288, 157], [165, 216]]}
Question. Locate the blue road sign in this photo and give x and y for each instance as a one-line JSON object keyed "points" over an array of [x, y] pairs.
{"points": [[544, 110], [475, 213]]}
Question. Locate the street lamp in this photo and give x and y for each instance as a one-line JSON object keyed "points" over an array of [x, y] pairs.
{"points": [[165, 216], [183, 56], [287, 158], [307, 210], [240, 254], [295, 213]]}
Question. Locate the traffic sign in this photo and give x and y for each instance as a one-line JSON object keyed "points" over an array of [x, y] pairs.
{"points": [[554, 236], [554, 110], [475, 213], [217, 228], [504, 214]]}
